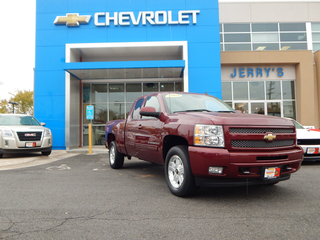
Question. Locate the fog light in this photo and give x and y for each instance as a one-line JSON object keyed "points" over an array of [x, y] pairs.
{"points": [[6, 142], [216, 170], [49, 142]]}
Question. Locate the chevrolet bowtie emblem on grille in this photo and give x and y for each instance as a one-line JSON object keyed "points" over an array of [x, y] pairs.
{"points": [[72, 19], [269, 137]]}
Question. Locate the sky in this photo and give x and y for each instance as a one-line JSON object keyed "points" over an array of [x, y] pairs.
{"points": [[17, 46]]}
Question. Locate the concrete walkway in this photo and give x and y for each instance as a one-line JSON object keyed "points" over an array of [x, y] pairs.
{"points": [[15, 161]]}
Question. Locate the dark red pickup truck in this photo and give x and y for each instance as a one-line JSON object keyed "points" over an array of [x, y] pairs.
{"points": [[203, 142]]}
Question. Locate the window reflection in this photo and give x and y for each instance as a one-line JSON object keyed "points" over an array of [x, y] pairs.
{"points": [[133, 91], [257, 108], [273, 90], [243, 107], [99, 93], [289, 109], [100, 114], [113, 101], [150, 88], [116, 111], [116, 93], [264, 27], [226, 90], [240, 90], [257, 91], [265, 97], [274, 109], [288, 90]]}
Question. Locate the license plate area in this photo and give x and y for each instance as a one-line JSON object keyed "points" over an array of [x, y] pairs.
{"points": [[271, 172], [31, 144]]}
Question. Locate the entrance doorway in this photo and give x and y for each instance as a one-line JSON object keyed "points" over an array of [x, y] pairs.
{"points": [[113, 101]]}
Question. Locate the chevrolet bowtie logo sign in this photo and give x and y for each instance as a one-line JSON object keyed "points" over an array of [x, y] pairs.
{"points": [[269, 137], [72, 19]]}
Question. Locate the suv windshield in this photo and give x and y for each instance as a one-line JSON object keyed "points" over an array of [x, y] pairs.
{"points": [[180, 102], [10, 120]]}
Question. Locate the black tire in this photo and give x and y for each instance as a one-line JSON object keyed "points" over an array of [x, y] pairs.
{"points": [[115, 158], [1, 155], [179, 177], [46, 153]]}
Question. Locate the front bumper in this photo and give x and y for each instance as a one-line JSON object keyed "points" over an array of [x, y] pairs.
{"points": [[310, 157], [241, 168], [24, 150]]}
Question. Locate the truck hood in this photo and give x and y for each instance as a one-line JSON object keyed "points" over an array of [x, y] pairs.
{"points": [[240, 119]]}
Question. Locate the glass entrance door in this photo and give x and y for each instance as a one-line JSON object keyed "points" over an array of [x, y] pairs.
{"points": [[113, 101]]}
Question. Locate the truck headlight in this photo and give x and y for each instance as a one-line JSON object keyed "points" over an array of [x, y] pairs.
{"points": [[7, 133], [47, 132], [208, 135]]}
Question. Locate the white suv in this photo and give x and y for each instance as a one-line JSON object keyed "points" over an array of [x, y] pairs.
{"points": [[20, 133]]}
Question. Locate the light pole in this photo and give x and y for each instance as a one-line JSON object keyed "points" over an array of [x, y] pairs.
{"points": [[13, 103]]}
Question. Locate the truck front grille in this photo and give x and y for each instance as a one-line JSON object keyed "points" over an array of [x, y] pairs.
{"points": [[261, 144], [29, 136], [261, 130]]}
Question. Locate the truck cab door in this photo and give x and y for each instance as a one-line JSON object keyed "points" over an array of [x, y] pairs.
{"points": [[145, 133]]}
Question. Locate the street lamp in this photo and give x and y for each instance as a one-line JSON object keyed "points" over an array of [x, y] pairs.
{"points": [[13, 103]]}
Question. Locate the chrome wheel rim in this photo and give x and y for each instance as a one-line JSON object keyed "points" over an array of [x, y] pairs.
{"points": [[112, 155], [176, 171]]}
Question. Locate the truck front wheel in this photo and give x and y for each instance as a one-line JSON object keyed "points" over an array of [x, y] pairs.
{"points": [[115, 158], [178, 172]]}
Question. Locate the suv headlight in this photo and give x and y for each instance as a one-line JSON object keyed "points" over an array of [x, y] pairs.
{"points": [[7, 133], [47, 132], [208, 135]]}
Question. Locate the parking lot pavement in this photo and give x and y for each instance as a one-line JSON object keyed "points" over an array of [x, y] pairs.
{"points": [[14, 161]]}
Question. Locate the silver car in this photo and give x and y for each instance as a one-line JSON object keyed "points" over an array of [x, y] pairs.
{"points": [[20, 133]]}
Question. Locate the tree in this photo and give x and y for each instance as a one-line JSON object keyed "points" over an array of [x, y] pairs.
{"points": [[25, 101], [4, 106]]}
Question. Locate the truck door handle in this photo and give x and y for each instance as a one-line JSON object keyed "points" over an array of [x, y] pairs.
{"points": [[140, 126]]}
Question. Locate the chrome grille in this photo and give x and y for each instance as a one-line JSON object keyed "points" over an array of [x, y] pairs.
{"points": [[29, 136], [261, 144], [261, 130]]}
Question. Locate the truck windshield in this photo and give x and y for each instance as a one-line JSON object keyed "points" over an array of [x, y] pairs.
{"points": [[12, 120], [186, 102]]}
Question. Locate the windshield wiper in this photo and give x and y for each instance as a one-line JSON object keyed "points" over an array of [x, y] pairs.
{"points": [[226, 111], [194, 110]]}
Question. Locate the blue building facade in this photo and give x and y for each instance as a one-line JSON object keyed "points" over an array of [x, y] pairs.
{"points": [[106, 53]]}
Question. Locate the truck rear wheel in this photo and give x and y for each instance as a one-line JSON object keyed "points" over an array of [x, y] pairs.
{"points": [[115, 158], [178, 172]]}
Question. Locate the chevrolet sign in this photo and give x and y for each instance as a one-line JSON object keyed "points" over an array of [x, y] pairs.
{"points": [[72, 19], [126, 18]]}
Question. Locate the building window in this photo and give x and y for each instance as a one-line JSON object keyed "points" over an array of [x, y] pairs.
{"points": [[113, 101], [315, 28], [275, 98], [265, 36]]}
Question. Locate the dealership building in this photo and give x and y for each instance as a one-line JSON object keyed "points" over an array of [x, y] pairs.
{"points": [[260, 57]]}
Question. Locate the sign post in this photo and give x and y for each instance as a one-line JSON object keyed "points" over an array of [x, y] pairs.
{"points": [[90, 113]]}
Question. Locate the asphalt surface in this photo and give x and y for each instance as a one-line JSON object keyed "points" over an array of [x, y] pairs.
{"points": [[81, 197]]}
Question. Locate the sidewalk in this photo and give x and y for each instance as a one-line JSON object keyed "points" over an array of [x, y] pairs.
{"points": [[85, 150], [15, 161]]}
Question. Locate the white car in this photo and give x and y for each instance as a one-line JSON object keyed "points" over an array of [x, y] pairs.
{"points": [[309, 140], [20, 133]]}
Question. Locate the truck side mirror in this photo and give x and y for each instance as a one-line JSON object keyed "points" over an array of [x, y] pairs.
{"points": [[149, 112]]}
